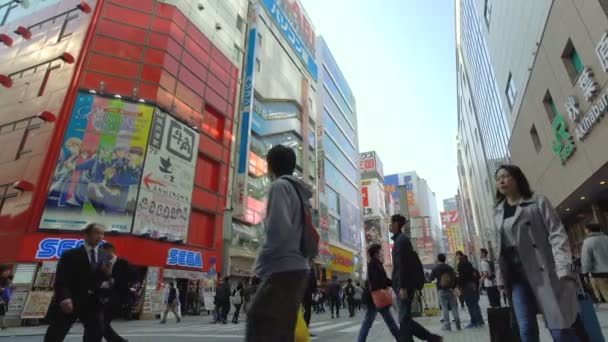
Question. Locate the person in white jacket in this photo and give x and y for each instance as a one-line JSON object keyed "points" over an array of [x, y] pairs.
{"points": [[172, 303]]}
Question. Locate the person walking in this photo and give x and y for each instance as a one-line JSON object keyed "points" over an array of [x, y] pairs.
{"points": [[535, 262], [377, 280], [238, 296], [283, 262], [5, 293], [308, 300], [594, 259], [118, 291], [446, 283], [470, 290], [349, 292], [77, 286], [408, 277], [333, 291], [172, 303], [488, 279], [358, 296], [222, 301]]}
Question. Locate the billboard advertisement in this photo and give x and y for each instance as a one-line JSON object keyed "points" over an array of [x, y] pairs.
{"points": [[99, 170], [373, 202], [165, 192], [341, 260], [373, 231], [240, 178], [450, 217], [370, 165], [350, 224]]}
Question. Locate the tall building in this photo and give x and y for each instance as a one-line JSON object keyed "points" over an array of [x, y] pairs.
{"points": [[119, 113], [417, 202], [340, 198], [560, 133], [482, 125], [278, 106]]}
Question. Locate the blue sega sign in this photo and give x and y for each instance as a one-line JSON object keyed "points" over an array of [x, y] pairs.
{"points": [[185, 258], [51, 248]]}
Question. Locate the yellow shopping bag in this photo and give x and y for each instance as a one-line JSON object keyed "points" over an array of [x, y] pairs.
{"points": [[302, 334]]}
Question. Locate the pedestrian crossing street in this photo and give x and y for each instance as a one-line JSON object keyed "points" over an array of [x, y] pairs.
{"points": [[236, 331]]}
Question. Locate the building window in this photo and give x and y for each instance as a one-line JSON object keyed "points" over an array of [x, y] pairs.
{"points": [[258, 65], [487, 12], [259, 39], [511, 91], [535, 139], [550, 106], [240, 23], [237, 52], [572, 61]]}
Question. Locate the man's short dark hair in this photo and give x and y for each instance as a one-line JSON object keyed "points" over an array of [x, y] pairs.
{"points": [[107, 246], [594, 227], [441, 257], [459, 253], [484, 251], [89, 228], [400, 219], [281, 160]]}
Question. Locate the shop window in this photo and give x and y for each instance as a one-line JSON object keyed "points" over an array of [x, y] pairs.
{"points": [[202, 229], [511, 91], [572, 61], [213, 123], [535, 139], [550, 106], [240, 23]]}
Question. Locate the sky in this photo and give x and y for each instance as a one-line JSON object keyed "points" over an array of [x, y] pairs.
{"points": [[398, 57]]}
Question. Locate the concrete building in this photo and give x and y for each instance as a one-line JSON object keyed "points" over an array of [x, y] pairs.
{"points": [[278, 106], [117, 112], [482, 125], [560, 134], [340, 196]]}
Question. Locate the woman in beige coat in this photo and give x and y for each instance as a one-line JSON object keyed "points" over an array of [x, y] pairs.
{"points": [[535, 259]]}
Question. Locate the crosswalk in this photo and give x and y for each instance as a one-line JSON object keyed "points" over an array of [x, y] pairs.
{"points": [[234, 331]]}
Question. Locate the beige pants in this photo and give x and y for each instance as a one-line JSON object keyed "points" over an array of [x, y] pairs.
{"points": [[173, 308], [600, 286]]}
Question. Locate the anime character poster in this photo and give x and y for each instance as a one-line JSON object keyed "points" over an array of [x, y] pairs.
{"points": [[97, 176], [165, 195]]}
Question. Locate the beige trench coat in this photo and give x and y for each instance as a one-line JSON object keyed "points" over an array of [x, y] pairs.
{"points": [[543, 247]]}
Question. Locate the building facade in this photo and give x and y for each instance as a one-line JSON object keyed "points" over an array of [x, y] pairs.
{"points": [[116, 112], [482, 125], [560, 133], [277, 107], [339, 155]]}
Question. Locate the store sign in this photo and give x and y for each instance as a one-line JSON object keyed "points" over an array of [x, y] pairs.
{"points": [[185, 258], [53, 248], [373, 198], [450, 217], [341, 260], [292, 36], [370, 165]]}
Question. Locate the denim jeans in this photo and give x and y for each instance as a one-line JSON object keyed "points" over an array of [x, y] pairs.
{"points": [[408, 326], [471, 298], [524, 305], [370, 316], [448, 302]]}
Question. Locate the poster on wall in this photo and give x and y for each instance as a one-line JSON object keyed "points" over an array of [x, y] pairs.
{"points": [[350, 224], [37, 304], [15, 306], [373, 231], [165, 192], [100, 165], [46, 274]]}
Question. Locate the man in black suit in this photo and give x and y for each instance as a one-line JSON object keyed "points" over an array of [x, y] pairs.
{"points": [[77, 282], [116, 291]]}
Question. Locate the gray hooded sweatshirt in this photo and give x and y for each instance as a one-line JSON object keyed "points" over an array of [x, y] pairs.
{"points": [[283, 229]]}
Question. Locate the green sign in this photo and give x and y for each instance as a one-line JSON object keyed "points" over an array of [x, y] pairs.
{"points": [[563, 145]]}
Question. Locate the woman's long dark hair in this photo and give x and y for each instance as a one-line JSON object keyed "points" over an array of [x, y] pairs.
{"points": [[520, 179], [374, 250]]}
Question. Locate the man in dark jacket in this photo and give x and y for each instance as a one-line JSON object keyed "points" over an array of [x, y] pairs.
{"points": [[406, 271], [333, 291], [78, 280], [117, 290], [470, 289], [349, 291], [446, 282], [222, 301]]}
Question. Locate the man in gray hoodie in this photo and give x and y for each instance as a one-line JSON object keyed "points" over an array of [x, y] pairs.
{"points": [[280, 263], [594, 259]]}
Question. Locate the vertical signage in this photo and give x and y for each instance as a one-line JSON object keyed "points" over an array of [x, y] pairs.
{"points": [[240, 200]]}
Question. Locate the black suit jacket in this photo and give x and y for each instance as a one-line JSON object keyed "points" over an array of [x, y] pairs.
{"points": [[75, 279], [122, 275]]}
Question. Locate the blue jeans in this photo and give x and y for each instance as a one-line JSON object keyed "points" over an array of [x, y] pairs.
{"points": [[408, 326], [448, 302], [524, 305], [471, 298], [370, 316]]}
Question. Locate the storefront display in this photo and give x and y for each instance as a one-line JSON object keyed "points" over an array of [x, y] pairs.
{"points": [[37, 304]]}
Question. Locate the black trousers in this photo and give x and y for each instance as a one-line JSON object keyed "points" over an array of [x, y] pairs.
{"points": [[91, 318], [493, 296], [351, 306], [109, 333], [237, 311], [307, 304], [335, 304], [274, 309]]}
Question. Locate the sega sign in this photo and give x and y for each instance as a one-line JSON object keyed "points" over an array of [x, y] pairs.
{"points": [[53, 248], [185, 258]]}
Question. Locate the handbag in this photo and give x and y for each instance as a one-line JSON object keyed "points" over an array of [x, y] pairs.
{"points": [[301, 334], [382, 298]]}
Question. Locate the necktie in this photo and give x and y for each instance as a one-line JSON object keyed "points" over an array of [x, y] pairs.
{"points": [[93, 259]]}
